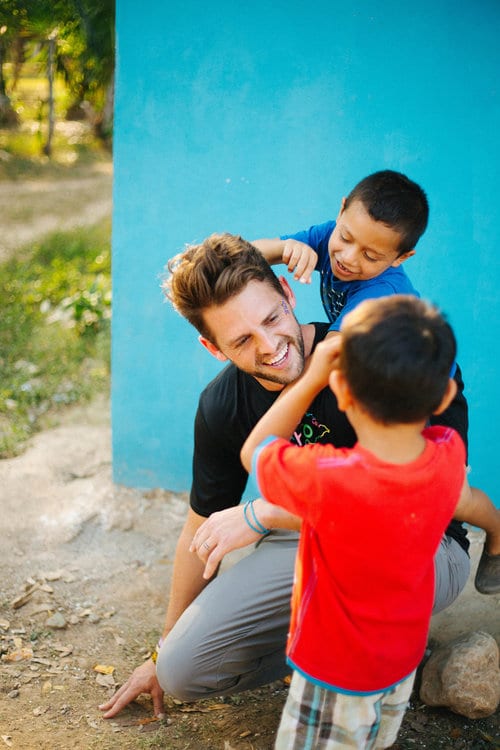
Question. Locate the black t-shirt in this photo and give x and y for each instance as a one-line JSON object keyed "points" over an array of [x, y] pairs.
{"points": [[229, 408]]}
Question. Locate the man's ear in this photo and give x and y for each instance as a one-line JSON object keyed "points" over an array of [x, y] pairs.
{"points": [[401, 258], [288, 291], [339, 386], [449, 395], [212, 349]]}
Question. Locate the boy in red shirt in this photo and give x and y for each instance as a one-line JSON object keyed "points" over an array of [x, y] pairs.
{"points": [[372, 519]]}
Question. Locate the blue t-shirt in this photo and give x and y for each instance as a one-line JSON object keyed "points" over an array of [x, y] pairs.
{"points": [[340, 297]]}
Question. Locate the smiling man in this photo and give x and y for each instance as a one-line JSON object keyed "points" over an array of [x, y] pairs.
{"points": [[227, 633]]}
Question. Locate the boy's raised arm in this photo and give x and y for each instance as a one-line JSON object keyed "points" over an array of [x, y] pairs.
{"points": [[271, 249], [286, 412], [299, 258]]}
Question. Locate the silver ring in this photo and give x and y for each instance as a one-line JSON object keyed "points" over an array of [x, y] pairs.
{"points": [[207, 546]]}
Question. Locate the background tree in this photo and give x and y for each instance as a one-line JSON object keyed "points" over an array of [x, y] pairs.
{"points": [[83, 31]]}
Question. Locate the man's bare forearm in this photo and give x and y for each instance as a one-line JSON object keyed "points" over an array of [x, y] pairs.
{"points": [[273, 517], [187, 576]]}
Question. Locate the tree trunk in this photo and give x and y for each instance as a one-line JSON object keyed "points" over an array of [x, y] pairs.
{"points": [[8, 117], [47, 149]]}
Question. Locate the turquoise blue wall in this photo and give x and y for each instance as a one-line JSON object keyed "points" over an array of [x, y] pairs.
{"points": [[256, 119]]}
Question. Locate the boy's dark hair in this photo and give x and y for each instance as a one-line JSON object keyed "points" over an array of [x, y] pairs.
{"points": [[209, 274], [395, 200], [397, 354]]}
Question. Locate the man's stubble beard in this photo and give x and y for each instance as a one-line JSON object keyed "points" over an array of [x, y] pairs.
{"points": [[297, 343]]}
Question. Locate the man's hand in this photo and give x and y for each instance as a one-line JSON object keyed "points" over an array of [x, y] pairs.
{"points": [[301, 260], [221, 533], [142, 680]]}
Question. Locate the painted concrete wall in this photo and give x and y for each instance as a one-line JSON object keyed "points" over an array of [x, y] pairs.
{"points": [[256, 119]]}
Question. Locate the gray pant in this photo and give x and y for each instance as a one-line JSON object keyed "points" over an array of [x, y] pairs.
{"points": [[233, 636]]}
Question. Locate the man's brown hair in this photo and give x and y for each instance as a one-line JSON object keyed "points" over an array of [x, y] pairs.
{"points": [[212, 272]]}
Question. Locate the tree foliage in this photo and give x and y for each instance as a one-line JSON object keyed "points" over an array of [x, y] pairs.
{"points": [[84, 33]]}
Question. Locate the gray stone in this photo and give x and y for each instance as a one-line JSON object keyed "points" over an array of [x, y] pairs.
{"points": [[57, 620], [464, 676]]}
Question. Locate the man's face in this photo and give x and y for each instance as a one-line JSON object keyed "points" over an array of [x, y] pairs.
{"points": [[257, 330], [361, 248]]}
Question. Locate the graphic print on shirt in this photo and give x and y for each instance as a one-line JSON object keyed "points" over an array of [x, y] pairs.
{"points": [[310, 430], [333, 300]]}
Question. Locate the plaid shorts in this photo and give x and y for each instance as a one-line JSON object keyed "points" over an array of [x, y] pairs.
{"points": [[323, 719]]}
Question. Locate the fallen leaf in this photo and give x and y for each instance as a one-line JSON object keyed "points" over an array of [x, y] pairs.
{"points": [[487, 737], [104, 669], [23, 599], [204, 709], [20, 654]]}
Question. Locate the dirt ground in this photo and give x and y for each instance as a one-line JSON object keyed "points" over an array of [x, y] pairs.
{"points": [[35, 207], [84, 573]]}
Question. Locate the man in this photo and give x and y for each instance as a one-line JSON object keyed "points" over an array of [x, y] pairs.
{"points": [[228, 633]]}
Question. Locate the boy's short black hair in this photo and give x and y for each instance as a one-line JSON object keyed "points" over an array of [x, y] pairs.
{"points": [[395, 200], [397, 353]]}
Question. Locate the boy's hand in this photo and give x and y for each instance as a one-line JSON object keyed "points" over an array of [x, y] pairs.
{"points": [[325, 358], [300, 259]]}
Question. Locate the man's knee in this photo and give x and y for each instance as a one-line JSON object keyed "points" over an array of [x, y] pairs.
{"points": [[178, 673], [452, 568]]}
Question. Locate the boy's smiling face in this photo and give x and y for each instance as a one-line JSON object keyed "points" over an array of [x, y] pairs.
{"points": [[361, 248]]}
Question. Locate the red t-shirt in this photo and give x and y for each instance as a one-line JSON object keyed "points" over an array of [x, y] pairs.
{"points": [[364, 577]]}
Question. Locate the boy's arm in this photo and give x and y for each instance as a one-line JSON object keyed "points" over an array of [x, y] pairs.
{"points": [[299, 258], [284, 415], [271, 249], [476, 508]]}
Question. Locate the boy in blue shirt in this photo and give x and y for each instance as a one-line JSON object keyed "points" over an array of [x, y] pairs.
{"points": [[359, 256]]}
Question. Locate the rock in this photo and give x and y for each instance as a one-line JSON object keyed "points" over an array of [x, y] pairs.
{"points": [[464, 676], [56, 621]]}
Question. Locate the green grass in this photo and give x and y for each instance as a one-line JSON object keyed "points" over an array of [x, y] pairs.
{"points": [[54, 330], [22, 148]]}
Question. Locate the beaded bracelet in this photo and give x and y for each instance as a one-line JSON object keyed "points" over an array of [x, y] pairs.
{"points": [[258, 528]]}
